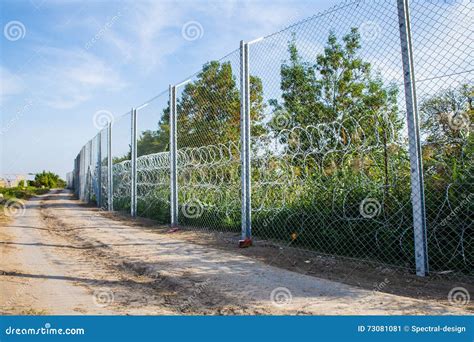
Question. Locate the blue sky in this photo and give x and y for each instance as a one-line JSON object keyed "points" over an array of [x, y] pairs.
{"points": [[74, 58], [62, 62]]}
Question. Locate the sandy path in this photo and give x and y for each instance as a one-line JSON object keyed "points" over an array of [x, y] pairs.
{"points": [[64, 258], [33, 274]]}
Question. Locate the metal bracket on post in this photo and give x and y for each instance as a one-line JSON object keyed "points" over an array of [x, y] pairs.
{"points": [[246, 236], [133, 157], [99, 169], [416, 166], [173, 158], [110, 178]]}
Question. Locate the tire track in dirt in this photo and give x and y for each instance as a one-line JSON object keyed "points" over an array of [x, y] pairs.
{"points": [[140, 283], [157, 271], [33, 281]]}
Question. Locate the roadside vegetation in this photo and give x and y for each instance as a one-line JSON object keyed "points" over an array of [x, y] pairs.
{"points": [[334, 141], [49, 180], [11, 199]]}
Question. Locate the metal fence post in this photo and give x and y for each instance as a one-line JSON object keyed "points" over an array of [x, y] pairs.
{"points": [[173, 158], [110, 179], [88, 171], [133, 157], [416, 168], [99, 169], [242, 142], [245, 141], [83, 173]]}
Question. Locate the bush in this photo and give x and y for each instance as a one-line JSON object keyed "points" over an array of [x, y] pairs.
{"points": [[49, 180]]}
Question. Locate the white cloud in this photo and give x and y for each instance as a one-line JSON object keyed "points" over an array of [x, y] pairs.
{"points": [[71, 76], [140, 36], [91, 72], [265, 19], [149, 31]]}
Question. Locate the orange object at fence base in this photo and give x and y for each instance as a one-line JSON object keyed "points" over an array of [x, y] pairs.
{"points": [[245, 243]]}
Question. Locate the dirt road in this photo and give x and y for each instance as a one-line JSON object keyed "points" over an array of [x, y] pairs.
{"points": [[62, 257]]}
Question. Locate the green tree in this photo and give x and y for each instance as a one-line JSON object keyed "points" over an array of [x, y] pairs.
{"points": [[447, 115], [49, 180], [154, 141], [338, 86], [446, 127], [209, 108], [208, 111]]}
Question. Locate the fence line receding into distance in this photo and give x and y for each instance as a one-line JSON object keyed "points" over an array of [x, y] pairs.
{"points": [[347, 134]]}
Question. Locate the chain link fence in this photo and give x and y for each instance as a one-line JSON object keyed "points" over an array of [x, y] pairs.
{"points": [[121, 161], [208, 146], [443, 57], [347, 134], [153, 163], [331, 172]]}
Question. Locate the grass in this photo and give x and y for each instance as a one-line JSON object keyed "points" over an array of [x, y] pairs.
{"points": [[17, 193], [20, 192], [34, 312]]}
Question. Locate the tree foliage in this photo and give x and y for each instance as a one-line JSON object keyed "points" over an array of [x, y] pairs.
{"points": [[339, 85], [445, 125], [208, 112], [297, 179], [49, 179]]}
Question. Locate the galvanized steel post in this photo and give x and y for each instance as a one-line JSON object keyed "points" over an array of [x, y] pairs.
{"points": [[133, 157], [173, 158], [246, 211], [110, 185], [99, 169], [416, 167]]}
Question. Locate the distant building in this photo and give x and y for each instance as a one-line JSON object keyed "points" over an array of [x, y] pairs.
{"points": [[13, 181]]}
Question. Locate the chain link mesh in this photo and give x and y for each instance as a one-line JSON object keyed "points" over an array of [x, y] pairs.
{"points": [[153, 164], [443, 60], [330, 157], [331, 172], [104, 181], [208, 141], [121, 142]]}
